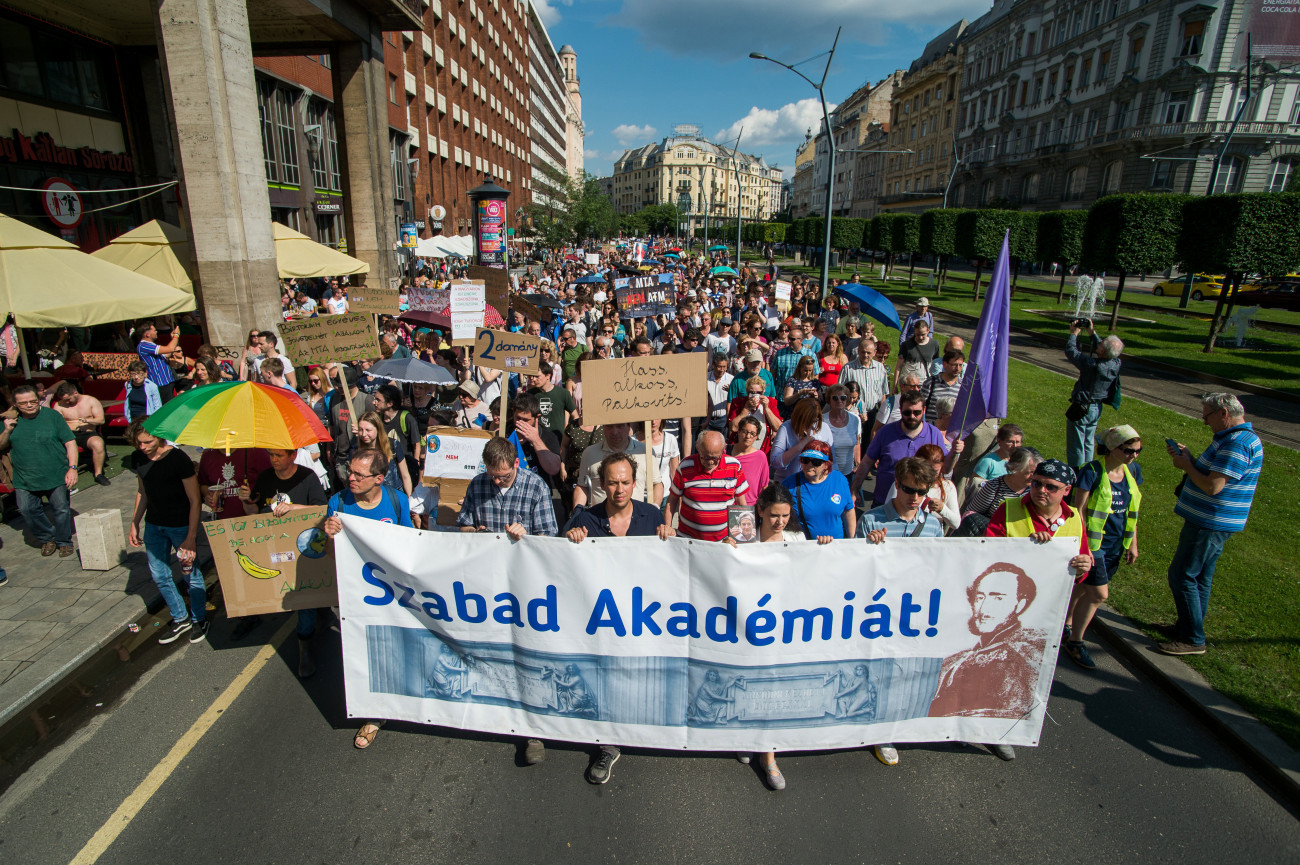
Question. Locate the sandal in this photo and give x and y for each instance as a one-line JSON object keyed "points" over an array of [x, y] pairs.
{"points": [[364, 737]]}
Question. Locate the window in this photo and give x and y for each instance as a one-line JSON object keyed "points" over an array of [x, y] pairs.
{"points": [[1029, 45], [1193, 31], [1176, 107], [1230, 174], [286, 135], [1116, 8], [1051, 86], [986, 193], [1134, 53], [1038, 89], [1281, 175], [1110, 177], [1103, 66], [1024, 92], [1075, 181], [52, 66], [268, 130], [392, 89], [1069, 80], [1120, 118], [397, 160], [1162, 175], [1085, 74], [1029, 188]]}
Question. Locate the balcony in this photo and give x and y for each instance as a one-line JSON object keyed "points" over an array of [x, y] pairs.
{"points": [[1204, 127]]}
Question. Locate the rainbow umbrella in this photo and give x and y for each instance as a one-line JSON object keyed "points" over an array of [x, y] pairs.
{"points": [[238, 414]]}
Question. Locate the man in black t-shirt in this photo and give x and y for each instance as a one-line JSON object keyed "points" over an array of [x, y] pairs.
{"points": [[285, 488]]}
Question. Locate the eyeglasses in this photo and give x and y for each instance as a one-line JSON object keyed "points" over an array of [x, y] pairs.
{"points": [[1205, 415], [746, 431], [26, 403], [839, 399], [911, 387], [912, 413], [1043, 485], [359, 475], [810, 461], [915, 491], [1131, 451]]}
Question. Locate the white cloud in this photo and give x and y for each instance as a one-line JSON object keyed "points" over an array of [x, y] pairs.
{"points": [[547, 12], [629, 134], [727, 30], [767, 128]]}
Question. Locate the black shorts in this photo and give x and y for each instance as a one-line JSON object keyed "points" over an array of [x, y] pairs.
{"points": [[83, 437], [1103, 568]]}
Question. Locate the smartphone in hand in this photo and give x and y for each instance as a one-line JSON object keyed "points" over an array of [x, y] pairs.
{"points": [[1173, 444]]}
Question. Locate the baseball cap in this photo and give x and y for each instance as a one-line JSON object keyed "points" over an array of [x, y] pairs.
{"points": [[922, 301], [752, 355], [817, 450]]}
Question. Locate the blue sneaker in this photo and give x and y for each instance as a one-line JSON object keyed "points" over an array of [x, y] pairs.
{"points": [[1078, 652], [4, 578]]}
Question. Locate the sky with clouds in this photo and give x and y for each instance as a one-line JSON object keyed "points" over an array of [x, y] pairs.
{"points": [[648, 65]]}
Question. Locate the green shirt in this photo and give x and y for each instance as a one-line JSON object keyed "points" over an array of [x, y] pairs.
{"points": [[40, 456], [570, 359]]}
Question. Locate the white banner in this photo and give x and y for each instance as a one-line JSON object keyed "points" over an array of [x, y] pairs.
{"points": [[467, 297], [688, 645]]}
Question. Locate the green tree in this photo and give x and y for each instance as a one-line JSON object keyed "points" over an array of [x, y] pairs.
{"points": [[1060, 240], [1238, 235], [1135, 232], [905, 236], [1024, 243], [939, 237], [979, 236], [574, 210], [775, 232]]}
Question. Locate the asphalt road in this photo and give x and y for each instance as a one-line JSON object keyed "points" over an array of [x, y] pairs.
{"points": [[1122, 775]]}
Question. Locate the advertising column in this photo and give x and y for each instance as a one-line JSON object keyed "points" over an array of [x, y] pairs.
{"points": [[489, 201]]}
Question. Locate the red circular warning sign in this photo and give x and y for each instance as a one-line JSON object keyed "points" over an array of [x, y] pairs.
{"points": [[62, 203]]}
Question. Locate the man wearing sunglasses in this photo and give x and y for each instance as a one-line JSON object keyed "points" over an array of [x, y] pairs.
{"points": [[897, 441], [1041, 516]]}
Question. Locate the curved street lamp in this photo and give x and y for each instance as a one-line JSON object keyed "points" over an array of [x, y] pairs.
{"points": [[830, 139]]}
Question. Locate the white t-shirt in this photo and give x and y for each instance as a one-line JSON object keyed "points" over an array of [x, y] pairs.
{"points": [[842, 441], [337, 306]]}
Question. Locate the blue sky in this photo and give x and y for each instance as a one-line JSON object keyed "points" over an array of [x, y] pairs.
{"points": [[647, 65]]}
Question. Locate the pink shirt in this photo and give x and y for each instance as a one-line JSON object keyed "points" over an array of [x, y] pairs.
{"points": [[756, 473]]}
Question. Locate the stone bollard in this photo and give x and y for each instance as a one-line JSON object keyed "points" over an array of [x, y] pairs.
{"points": [[100, 539]]}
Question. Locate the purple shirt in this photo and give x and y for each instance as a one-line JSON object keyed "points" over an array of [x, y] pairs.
{"points": [[890, 445]]}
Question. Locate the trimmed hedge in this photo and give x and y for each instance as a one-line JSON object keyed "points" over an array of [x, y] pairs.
{"points": [[1241, 234], [939, 231], [1133, 233], [1060, 236]]}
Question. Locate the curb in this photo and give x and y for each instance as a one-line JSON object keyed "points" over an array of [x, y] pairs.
{"points": [[1242, 732]]}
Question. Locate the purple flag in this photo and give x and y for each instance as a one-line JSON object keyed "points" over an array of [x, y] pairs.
{"points": [[983, 391]]}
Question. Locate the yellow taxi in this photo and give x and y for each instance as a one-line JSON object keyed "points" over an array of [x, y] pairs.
{"points": [[1203, 286]]}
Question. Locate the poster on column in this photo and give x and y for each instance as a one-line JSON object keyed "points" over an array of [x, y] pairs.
{"points": [[669, 644], [268, 564]]}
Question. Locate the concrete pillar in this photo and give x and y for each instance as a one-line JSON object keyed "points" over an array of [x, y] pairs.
{"points": [[361, 113], [208, 74]]}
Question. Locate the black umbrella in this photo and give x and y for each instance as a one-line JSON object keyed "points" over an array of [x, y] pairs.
{"points": [[543, 300]]}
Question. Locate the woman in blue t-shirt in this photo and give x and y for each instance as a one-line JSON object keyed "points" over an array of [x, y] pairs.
{"points": [[823, 505], [1107, 497]]}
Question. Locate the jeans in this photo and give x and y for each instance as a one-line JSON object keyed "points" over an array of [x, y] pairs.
{"points": [[159, 541], [1190, 574], [33, 510], [1079, 443], [306, 623]]}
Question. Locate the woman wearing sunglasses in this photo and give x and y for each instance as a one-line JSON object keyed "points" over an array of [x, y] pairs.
{"points": [[1108, 497], [823, 503], [846, 430]]}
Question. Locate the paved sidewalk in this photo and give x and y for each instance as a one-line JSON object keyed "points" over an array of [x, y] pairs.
{"points": [[54, 616]]}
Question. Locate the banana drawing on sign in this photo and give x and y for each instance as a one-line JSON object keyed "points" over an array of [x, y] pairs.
{"points": [[268, 564]]}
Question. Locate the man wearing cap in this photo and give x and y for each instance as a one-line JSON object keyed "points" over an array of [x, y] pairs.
{"points": [[753, 367], [922, 313], [473, 413], [1041, 515]]}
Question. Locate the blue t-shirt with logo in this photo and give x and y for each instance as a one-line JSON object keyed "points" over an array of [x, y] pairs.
{"points": [[822, 505], [395, 507]]}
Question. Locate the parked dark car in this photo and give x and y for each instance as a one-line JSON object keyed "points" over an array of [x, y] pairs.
{"points": [[1278, 295]]}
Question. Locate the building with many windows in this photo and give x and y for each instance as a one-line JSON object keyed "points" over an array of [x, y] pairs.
{"points": [[700, 177], [924, 120], [1064, 102], [549, 121]]}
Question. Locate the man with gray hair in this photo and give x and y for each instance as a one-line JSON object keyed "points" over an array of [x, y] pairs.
{"points": [[1098, 384], [1214, 501]]}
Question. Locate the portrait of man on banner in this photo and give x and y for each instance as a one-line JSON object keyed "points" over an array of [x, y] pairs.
{"points": [[997, 676]]}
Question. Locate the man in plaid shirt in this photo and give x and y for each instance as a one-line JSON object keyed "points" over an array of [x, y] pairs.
{"points": [[504, 499], [785, 360]]}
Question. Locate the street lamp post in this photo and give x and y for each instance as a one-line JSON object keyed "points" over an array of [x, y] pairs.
{"points": [[830, 140]]}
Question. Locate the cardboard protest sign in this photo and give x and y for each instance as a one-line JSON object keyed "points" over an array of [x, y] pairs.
{"points": [[452, 457], [631, 389], [646, 296], [468, 297], [330, 338], [525, 308], [374, 301], [422, 298], [268, 564], [497, 283], [593, 258], [115, 362], [512, 352]]}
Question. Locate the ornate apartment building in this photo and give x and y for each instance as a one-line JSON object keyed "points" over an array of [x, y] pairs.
{"points": [[1062, 102], [700, 177], [924, 119]]}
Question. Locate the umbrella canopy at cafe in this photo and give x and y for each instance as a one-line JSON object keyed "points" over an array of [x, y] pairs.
{"points": [[47, 282], [298, 256], [158, 250], [427, 317], [411, 369], [872, 302], [238, 414]]}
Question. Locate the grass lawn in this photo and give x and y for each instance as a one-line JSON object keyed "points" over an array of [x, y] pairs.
{"points": [[1269, 359], [1254, 618]]}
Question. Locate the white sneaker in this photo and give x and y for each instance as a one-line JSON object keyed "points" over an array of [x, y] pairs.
{"points": [[886, 754]]}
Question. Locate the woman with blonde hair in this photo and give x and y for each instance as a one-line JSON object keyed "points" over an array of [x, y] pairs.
{"points": [[832, 360], [792, 439], [372, 434], [803, 383]]}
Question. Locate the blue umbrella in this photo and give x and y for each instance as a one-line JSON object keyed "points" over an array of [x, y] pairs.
{"points": [[650, 261], [872, 302], [723, 271], [671, 255], [590, 278]]}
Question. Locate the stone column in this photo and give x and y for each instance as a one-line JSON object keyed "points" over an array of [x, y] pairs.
{"points": [[208, 74], [361, 114]]}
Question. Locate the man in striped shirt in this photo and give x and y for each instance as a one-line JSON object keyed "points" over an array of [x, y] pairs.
{"points": [[1214, 502], [703, 487], [947, 384], [155, 357]]}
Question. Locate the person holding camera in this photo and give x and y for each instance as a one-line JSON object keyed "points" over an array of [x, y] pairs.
{"points": [[1098, 385]]}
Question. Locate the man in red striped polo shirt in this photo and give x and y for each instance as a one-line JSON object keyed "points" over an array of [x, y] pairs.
{"points": [[703, 487]]}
